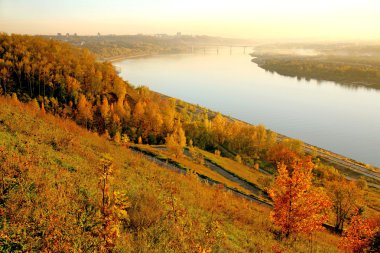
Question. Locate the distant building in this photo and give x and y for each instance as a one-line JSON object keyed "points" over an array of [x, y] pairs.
{"points": [[67, 34], [59, 34], [179, 34], [98, 34], [75, 34]]}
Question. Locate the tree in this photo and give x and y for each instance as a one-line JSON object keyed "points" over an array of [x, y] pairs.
{"points": [[238, 158], [177, 140], [84, 110], [138, 113], [105, 109], [347, 198], [298, 206], [362, 235], [219, 128], [113, 205], [196, 155], [4, 74], [117, 137], [279, 153], [73, 86], [125, 140], [43, 109], [120, 90]]}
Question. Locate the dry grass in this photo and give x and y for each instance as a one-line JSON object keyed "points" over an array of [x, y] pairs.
{"points": [[55, 203]]}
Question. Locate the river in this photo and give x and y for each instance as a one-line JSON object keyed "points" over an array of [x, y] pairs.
{"points": [[325, 114]]}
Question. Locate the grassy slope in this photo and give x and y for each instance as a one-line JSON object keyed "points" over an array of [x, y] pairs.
{"points": [[187, 163], [241, 170], [61, 163]]}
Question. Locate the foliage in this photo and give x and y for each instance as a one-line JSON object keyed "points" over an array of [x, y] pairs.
{"points": [[298, 207], [177, 140], [52, 200], [347, 199], [362, 235]]}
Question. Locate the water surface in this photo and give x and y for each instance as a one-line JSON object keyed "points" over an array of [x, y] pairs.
{"points": [[338, 118]]}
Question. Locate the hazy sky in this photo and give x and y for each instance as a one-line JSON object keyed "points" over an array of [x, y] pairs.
{"points": [[291, 19]]}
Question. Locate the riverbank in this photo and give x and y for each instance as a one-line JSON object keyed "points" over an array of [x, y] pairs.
{"points": [[348, 166], [124, 57], [200, 88], [346, 72]]}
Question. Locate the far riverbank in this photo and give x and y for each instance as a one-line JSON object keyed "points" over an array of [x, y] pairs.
{"points": [[124, 57]]}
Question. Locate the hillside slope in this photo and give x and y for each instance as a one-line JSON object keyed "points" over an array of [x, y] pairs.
{"points": [[52, 201]]}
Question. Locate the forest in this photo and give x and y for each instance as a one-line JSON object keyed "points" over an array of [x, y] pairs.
{"points": [[346, 64], [69, 181]]}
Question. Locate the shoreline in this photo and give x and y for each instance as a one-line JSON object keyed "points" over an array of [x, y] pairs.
{"points": [[330, 156], [124, 57], [340, 161]]}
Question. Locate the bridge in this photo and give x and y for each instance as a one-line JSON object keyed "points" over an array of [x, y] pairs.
{"points": [[218, 46]]}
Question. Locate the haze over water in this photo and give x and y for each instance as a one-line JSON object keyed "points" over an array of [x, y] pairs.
{"points": [[337, 118]]}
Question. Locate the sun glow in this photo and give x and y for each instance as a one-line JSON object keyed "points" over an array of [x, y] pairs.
{"points": [[270, 19]]}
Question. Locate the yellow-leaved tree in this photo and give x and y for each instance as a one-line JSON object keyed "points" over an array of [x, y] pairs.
{"points": [[347, 198], [84, 110], [176, 141], [113, 205]]}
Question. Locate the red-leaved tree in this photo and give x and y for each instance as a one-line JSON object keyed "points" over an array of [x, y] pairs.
{"points": [[362, 235]]}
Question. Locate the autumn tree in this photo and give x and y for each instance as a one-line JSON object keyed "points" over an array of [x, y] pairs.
{"points": [[218, 127], [43, 109], [125, 140], [347, 198], [84, 110], [298, 206], [117, 137], [238, 158], [177, 140], [281, 154], [120, 90], [196, 155], [138, 113], [363, 235], [113, 205], [105, 109], [5, 74]]}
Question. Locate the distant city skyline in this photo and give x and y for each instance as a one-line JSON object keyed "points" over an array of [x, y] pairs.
{"points": [[292, 19]]}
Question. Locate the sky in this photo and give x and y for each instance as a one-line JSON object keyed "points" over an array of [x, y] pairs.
{"points": [[263, 19]]}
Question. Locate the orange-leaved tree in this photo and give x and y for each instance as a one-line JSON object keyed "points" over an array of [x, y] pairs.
{"points": [[363, 235], [298, 206]]}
